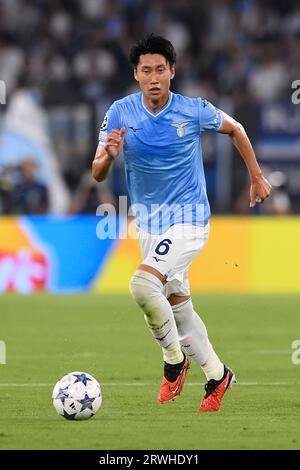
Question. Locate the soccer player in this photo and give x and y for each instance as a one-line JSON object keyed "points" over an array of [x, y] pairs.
{"points": [[159, 133]]}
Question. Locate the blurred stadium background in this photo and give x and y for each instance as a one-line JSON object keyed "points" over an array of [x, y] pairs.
{"points": [[63, 62]]}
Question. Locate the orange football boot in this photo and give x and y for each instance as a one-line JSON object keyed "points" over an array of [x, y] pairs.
{"points": [[170, 390], [215, 391]]}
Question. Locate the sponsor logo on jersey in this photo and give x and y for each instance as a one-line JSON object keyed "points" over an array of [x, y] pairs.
{"points": [[135, 129]]}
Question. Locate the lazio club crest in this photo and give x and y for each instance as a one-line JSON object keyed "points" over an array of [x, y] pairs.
{"points": [[180, 128]]}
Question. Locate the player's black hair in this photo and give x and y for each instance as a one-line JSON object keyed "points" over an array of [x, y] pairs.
{"points": [[152, 45]]}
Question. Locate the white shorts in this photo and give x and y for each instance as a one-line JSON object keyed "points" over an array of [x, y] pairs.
{"points": [[172, 253]]}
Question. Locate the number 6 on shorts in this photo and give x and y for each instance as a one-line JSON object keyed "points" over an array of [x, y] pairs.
{"points": [[163, 247]]}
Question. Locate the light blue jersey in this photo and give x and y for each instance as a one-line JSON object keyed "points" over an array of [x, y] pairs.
{"points": [[163, 158]]}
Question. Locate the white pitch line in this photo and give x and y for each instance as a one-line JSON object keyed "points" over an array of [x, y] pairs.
{"points": [[143, 384], [272, 352], [46, 356], [25, 385]]}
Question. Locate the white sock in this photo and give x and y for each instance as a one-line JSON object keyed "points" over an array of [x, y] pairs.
{"points": [[146, 290], [213, 368], [194, 339]]}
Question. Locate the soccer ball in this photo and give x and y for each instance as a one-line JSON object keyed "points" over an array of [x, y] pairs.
{"points": [[77, 396]]}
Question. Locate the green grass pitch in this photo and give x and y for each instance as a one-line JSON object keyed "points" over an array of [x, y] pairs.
{"points": [[48, 336]]}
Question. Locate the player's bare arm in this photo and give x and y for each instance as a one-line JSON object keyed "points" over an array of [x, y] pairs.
{"points": [[260, 187], [105, 155]]}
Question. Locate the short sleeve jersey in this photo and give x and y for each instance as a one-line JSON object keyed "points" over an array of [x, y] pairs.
{"points": [[163, 158]]}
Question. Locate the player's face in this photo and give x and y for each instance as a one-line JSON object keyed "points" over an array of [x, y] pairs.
{"points": [[154, 75]]}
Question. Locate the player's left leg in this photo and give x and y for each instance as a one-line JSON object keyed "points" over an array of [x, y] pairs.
{"points": [[160, 253], [193, 335], [194, 339]]}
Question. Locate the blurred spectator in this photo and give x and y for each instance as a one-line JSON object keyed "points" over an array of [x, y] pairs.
{"points": [[29, 196], [90, 195], [12, 61], [6, 185], [278, 203], [25, 133], [245, 51], [269, 79]]}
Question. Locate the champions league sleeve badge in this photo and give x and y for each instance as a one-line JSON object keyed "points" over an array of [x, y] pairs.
{"points": [[104, 123]]}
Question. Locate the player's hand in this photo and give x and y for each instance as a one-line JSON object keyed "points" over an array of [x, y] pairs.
{"points": [[114, 142], [260, 189]]}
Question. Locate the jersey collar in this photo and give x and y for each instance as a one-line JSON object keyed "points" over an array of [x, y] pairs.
{"points": [[162, 110]]}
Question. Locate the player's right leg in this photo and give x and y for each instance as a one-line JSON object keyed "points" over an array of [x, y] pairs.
{"points": [[146, 288]]}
